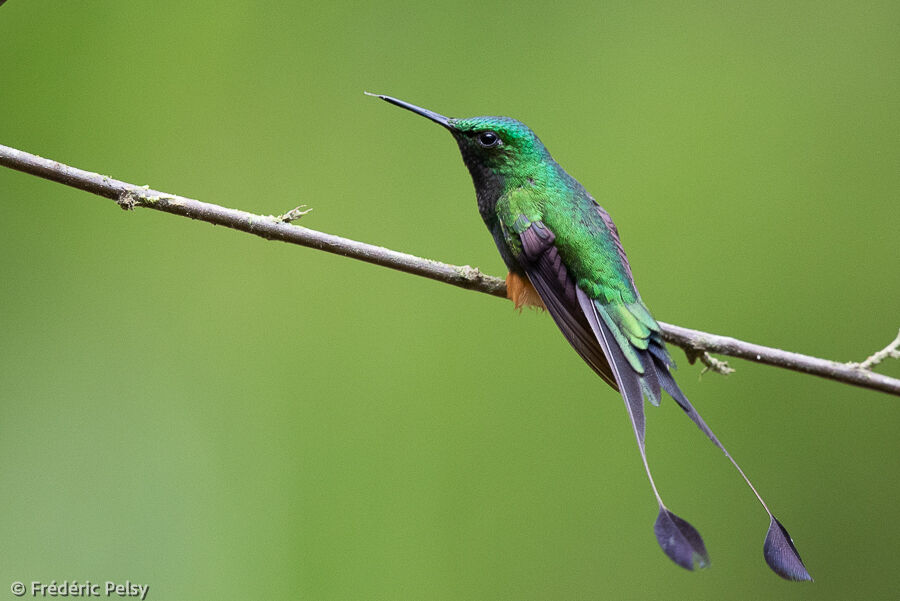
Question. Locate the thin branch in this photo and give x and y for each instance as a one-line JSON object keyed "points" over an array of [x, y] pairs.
{"points": [[695, 343], [891, 351], [128, 196]]}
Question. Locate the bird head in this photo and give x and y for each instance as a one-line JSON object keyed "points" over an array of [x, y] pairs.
{"points": [[490, 146]]}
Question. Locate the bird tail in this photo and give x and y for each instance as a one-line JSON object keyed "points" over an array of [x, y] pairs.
{"points": [[779, 551], [641, 366]]}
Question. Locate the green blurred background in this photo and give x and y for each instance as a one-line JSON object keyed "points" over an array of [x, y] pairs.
{"points": [[225, 418]]}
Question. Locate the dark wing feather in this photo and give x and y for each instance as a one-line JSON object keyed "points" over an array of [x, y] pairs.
{"points": [[549, 276], [629, 381]]}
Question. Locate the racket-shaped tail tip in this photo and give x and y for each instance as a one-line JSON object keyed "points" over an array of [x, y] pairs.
{"points": [[680, 541], [782, 555]]}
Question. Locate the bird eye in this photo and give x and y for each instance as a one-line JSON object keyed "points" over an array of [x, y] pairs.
{"points": [[488, 139]]}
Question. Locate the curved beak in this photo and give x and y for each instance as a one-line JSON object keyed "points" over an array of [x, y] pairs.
{"points": [[439, 119]]}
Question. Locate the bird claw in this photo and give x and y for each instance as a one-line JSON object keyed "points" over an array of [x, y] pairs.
{"points": [[712, 364]]}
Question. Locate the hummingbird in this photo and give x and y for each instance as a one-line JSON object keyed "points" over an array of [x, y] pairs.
{"points": [[564, 254]]}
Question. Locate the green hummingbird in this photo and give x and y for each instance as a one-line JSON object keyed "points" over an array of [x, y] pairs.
{"points": [[564, 254]]}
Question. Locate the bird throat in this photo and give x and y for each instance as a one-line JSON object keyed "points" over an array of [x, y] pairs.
{"points": [[489, 186]]}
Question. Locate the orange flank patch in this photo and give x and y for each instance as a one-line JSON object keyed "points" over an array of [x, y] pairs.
{"points": [[520, 291]]}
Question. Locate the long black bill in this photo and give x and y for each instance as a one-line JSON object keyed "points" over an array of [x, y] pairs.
{"points": [[439, 119]]}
